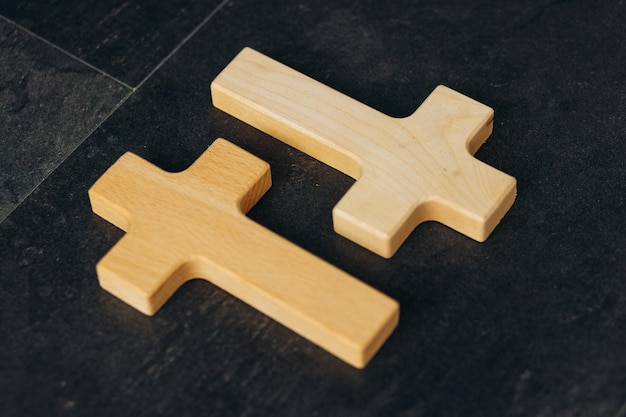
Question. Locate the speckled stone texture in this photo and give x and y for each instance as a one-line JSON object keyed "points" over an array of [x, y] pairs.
{"points": [[49, 104], [125, 38], [531, 322]]}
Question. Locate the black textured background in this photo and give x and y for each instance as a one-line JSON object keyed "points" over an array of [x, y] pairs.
{"points": [[530, 323]]}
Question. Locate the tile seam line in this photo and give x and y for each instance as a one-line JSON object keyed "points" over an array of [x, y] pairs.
{"points": [[67, 53], [130, 92], [182, 43], [70, 153]]}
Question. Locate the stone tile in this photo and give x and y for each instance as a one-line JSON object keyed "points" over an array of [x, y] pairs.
{"points": [[49, 103], [529, 322], [126, 39]]}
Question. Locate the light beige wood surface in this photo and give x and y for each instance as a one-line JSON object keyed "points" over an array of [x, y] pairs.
{"points": [[192, 224], [408, 170]]}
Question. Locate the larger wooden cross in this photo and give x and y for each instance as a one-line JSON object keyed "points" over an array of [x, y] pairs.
{"points": [[192, 224], [408, 170]]}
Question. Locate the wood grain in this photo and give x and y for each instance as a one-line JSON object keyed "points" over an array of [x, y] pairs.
{"points": [[192, 224], [408, 170]]}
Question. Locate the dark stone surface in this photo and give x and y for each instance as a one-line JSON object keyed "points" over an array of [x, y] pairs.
{"points": [[127, 39], [530, 323], [49, 104]]}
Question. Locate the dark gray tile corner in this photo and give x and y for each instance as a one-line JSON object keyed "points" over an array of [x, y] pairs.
{"points": [[126, 39], [49, 103]]}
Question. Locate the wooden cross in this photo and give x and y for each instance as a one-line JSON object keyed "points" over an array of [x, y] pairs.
{"points": [[192, 224], [408, 170]]}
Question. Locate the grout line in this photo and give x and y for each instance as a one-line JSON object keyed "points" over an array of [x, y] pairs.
{"points": [[100, 71], [60, 162], [130, 92], [131, 89], [67, 53], [183, 42]]}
